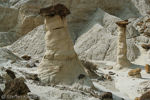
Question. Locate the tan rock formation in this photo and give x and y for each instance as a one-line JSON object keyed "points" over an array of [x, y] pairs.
{"points": [[122, 60], [135, 73], [147, 68], [60, 64]]}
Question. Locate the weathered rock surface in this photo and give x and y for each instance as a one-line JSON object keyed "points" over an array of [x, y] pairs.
{"points": [[7, 38], [98, 43], [8, 18], [31, 44], [98, 22], [6, 54]]}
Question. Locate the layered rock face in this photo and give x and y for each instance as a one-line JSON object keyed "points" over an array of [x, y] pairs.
{"points": [[90, 30], [60, 64], [122, 60]]}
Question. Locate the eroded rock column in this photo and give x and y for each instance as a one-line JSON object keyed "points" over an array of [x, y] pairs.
{"points": [[122, 60], [60, 64]]}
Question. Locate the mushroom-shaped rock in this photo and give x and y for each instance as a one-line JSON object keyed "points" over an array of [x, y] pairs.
{"points": [[147, 68], [60, 64], [122, 61], [135, 73], [16, 87]]}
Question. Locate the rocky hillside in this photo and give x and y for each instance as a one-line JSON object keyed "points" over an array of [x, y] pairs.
{"points": [[93, 31], [91, 25]]}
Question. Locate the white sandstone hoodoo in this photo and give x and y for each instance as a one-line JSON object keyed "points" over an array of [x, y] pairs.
{"points": [[60, 64], [122, 60]]}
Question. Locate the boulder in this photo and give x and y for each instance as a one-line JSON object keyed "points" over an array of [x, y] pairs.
{"points": [[31, 76], [106, 96], [111, 73], [145, 46], [135, 73], [6, 77], [145, 96], [147, 68], [11, 73], [16, 87], [26, 57]]}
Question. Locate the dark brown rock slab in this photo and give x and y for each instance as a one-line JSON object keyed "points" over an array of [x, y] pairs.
{"points": [[16, 87], [11, 73], [106, 95], [26, 57]]}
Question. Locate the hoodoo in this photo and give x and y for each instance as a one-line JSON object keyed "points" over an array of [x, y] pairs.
{"points": [[60, 64], [122, 60]]}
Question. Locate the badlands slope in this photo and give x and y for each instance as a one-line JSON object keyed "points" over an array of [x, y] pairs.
{"points": [[92, 28]]}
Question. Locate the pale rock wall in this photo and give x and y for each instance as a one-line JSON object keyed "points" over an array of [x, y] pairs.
{"points": [[87, 20]]}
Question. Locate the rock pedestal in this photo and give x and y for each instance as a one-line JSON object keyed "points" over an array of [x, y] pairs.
{"points": [[122, 60], [60, 64]]}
